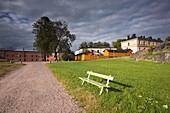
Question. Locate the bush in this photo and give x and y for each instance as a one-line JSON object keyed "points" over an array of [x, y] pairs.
{"points": [[150, 48], [67, 57]]}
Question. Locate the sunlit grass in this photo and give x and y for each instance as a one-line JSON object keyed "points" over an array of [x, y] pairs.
{"points": [[152, 54], [139, 86]]}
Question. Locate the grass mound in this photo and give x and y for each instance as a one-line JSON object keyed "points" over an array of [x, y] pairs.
{"points": [[6, 67]]}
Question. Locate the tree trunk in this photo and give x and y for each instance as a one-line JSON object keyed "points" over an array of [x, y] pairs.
{"points": [[56, 56], [44, 55]]}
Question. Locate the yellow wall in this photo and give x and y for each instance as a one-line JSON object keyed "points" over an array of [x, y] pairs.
{"points": [[89, 56], [78, 57], [117, 54], [107, 54]]}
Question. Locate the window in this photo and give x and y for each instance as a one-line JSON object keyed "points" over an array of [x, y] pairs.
{"points": [[19, 59], [24, 59], [24, 55], [141, 42], [32, 55], [32, 60], [146, 43], [7, 55], [12, 55], [36, 59]]}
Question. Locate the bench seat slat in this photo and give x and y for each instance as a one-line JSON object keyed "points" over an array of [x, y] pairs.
{"points": [[100, 75], [94, 82]]}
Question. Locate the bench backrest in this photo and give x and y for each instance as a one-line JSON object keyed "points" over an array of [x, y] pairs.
{"points": [[100, 75]]}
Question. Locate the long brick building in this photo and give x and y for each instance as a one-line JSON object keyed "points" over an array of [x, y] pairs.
{"points": [[27, 56]]}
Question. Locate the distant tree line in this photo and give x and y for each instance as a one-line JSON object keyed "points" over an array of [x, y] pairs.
{"points": [[117, 44], [93, 44]]}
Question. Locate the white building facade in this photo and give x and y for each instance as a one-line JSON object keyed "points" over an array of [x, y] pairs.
{"points": [[94, 50], [137, 44]]}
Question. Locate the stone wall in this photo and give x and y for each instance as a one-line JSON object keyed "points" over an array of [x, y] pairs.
{"points": [[162, 51]]}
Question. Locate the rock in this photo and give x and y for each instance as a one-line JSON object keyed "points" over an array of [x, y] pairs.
{"points": [[164, 56]]}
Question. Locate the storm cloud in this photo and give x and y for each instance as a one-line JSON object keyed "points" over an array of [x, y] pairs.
{"points": [[89, 20]]}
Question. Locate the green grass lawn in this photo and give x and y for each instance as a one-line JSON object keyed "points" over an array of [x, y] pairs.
{"points": [[139, 86], [152, 54], [6, 67]]}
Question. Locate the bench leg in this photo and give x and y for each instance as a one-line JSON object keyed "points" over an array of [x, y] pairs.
{"points": [[82, 82], [101, 90]]}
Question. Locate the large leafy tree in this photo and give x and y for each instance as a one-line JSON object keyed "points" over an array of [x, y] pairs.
{"points": [[83, 45], [52, 36]]}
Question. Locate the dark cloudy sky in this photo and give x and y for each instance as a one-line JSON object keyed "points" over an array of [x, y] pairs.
{"points": [[89, 20]]}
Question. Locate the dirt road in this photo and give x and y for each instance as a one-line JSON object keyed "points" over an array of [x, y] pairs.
{"points": [[33, 89]]}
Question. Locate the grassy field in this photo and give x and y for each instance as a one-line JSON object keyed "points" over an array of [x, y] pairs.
{"points": [[6, 67], [138, 87]]}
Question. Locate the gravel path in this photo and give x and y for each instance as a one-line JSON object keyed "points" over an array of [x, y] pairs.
{"points": [[33, 89]]}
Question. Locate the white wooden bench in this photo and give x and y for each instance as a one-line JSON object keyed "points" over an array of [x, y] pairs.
{"points": [[100, 85]]}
